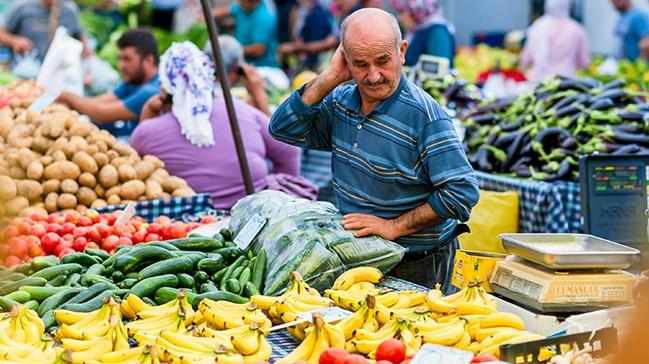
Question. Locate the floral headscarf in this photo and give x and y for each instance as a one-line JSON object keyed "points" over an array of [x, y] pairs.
{"points": [[420, 10], [188, 75]]}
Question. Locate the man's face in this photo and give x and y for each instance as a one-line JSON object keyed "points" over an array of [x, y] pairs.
{"points": [[621, 5], [376, 67], [248, 5], [131, 65]]}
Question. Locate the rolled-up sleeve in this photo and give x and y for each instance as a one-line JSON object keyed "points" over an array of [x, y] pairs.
{"points": [[455, 190], [305, 126]]}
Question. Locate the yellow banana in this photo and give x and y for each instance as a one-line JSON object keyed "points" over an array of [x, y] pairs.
{"points": [[265, 302], [248, 343], [70, 317], [99, 347], [456, 297], [302, 352], [484, 333], [474, 347], [121, 355], [464, 341], [436, 303], [32, 334], [500, 319], [470, 308], [365, 346], [321, 344], [137, 304], [353, 322], [386, 332], [362, 288], [344, 299], [32, 317], [356, 275], [488, 299], [263, 354], [447, 336], [500, 337], [336, 337]]}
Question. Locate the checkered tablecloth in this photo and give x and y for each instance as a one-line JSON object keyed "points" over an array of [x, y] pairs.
{"points": [[175, 207], [544, 207], [283, 343]]}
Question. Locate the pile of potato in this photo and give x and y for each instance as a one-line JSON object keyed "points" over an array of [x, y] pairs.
{"points": [[52, 161]]}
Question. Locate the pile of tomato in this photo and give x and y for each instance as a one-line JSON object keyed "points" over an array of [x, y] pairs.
{"points": [[60, 234]]}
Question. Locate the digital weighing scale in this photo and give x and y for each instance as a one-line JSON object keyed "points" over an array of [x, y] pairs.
{"points": [[428, 66], [613, 192], [564, 274]]}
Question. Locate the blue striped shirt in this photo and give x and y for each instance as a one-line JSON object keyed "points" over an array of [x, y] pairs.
{"points": [[401, 155]]}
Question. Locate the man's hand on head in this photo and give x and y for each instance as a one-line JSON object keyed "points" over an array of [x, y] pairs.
{"points": [[371, 225], [338, 68]]}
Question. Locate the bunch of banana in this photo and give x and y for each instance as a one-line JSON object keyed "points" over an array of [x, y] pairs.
{"points": [[134, 307], [88, 325], [357, 275], [247, 340], [408, 303], [223, 315], [80, 351], [289, 308], [319, 337], [43, 352], [364, 318], [366, 341], [472, 300], [445, 333], [139, 355], [22, 339], [297, 287], [24, 325], [174, 316]]}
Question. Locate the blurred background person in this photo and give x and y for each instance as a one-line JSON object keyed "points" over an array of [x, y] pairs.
{"points": [[631, 31], [556, 44], [427, 31]]}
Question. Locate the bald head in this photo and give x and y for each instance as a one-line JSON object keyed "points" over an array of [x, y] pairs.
{"points": [[370, 25]]}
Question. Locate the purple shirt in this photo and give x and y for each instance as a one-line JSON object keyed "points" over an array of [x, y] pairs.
{"points": [[215, 170]]}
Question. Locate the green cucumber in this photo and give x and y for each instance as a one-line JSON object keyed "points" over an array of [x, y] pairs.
{"points": [[200, 244], [218, 237], [29, 281], [128, 283], [93, 304], [226, 233], [19, 296], [147, 287], [135, 275], [15, 276], [233, 286], [149, 301], [244, 277], [201, 277], [167, 294], [56, 300], [230, 244], [73, 279], [118, 253], [219, 296], [83, 259], [97, 253], [229, 253], [212, 264], [95, 269], [32, 305], [41, 293], [217, 276], [138, 257], [250, 254], [259, 270], [251, 263], [91, 280], [57, 270], [250, 289], [173, 266], [117, 276], [39, 263], [58, 281], [6, 304], [227, 274], [185, 280], [92, 291], [164, 245], [237, 272], [48, 320], [208, 287], [24, 268]]}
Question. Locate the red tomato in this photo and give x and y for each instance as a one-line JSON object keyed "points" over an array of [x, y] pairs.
{"points": [[4, 250], [163, 220], [385, 362], [35, 251], [175, 230], [139, 236], [49, 241], [38, 217], [391, 350], [192, 225], [12, 261], [124, 241], [54, 228], [333, 356], [92, 245], [484, 358], [80, 244], [103, 229], [110, 219], [407, 361], [68, 237], [93, 215], [355, 359], [18, 245], [84, 221], [92, 233], [152, 237], [62, 246], [79, 231], [11, 231], [37, 230], [72, 216], [68, 227], [23, 227], [109, 243], [209, 220], [120, 229], [65, 251], [154, 228]]}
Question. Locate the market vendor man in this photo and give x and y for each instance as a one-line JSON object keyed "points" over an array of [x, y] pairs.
{"points": [[399, 169], [118, 111]]}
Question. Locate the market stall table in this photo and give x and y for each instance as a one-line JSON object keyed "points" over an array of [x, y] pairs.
{"points": [[543, 206]]}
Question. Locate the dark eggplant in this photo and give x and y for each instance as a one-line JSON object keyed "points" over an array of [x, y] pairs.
{"points": [[613, 94], [569, 143], [513, 151], [497, 106], [523, 171], [613, 84], [627, 128], [485, 119], [575, 117], [552, 137], [602, 104], [453, 89], [582, 84], [627, 149], [505, 140], [632, 115], [562, 173], [508, 126], [628, 138], [568, 110], [579, 98]]}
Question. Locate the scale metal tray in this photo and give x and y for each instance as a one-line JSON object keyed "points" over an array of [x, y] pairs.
{"points": [[569, 251]]}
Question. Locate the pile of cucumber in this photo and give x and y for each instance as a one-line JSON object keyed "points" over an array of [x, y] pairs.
{"points": [[205, 267]]}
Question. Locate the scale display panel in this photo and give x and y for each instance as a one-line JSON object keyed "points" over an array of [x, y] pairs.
{"points": [[614, 197]]}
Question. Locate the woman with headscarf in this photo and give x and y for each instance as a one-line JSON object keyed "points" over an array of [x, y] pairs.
{"points": [[193, 137], [427, 31], [556, 44]]}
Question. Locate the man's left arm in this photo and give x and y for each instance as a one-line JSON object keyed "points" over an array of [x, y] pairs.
{"points": [[101, 112], [442, 159]]}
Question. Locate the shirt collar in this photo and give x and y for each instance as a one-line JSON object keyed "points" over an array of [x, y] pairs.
{"points": [[354, 102]]}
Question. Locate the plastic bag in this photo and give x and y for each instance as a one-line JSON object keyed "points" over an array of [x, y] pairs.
{"points": [[62, 64], [495, 213], [307, 237], [103, 77], [27, 66]]}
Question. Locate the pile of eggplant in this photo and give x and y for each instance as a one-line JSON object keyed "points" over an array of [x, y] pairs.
{"points": [[542, 133], [455, 94]]}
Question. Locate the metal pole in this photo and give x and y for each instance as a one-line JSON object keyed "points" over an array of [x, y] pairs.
{"points": [[225, 85]]}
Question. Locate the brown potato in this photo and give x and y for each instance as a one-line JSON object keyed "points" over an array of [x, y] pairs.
{"points": [[51, 202], [99, 203], [100, 191], [51, 185], [144, 169], [69, 186], [108, 176], [17, 173], [120, 161], [126, 172], [33, 210], [8, 189], [133, 189], [173, 183], [59, 156], [86, 196], [46, 160], [112, 154], [113, 200], [92, 149], [103, 148], [35, 170], [85, 162], [154, 160], [101, 159], [79, 143], [67, 201], [25, 156], [81, 128], [113, 191], [183, 192], [87, 180], [153, 190], [81, 208], [30, 189], [16, 205], [62, 170]]}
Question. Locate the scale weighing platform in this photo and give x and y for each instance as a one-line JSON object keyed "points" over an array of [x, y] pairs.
{"points": [[564, 274]]}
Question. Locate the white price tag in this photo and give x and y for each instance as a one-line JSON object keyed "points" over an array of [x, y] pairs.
{"points": [[42, 102], [249, 231], [437, 354], [128, 214], [329, 314]]}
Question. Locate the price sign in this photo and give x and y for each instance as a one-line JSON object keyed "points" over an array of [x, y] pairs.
{"points": [[249, 231]]}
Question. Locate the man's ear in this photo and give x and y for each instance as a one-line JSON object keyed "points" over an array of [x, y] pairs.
{"points": [[402, 50]]}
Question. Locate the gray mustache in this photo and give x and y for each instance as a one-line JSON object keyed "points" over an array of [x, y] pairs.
{"points": [[382, 81]]}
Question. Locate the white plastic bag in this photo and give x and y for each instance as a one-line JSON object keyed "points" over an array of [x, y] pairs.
{"points": [[61, 69], [27, 66]]}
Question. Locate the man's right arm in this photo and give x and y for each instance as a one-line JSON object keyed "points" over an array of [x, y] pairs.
{"points": [[17, 44]]}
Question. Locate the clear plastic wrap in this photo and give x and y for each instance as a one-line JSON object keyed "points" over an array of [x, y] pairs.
{"points": [[307, 237]]}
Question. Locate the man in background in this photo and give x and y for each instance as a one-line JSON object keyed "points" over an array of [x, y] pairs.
{"points": [[631, 31], [118, 111]]}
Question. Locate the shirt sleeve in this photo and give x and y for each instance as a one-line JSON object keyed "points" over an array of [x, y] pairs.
{"points": [[304, 126], [440, 43], [640, 25], [136, 101], [285, 157], [12, 18], [121, 91], [265, 31], [447, 167]]}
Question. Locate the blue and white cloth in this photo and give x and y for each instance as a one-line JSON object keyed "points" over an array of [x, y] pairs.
{"points": [[175, 208]]}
